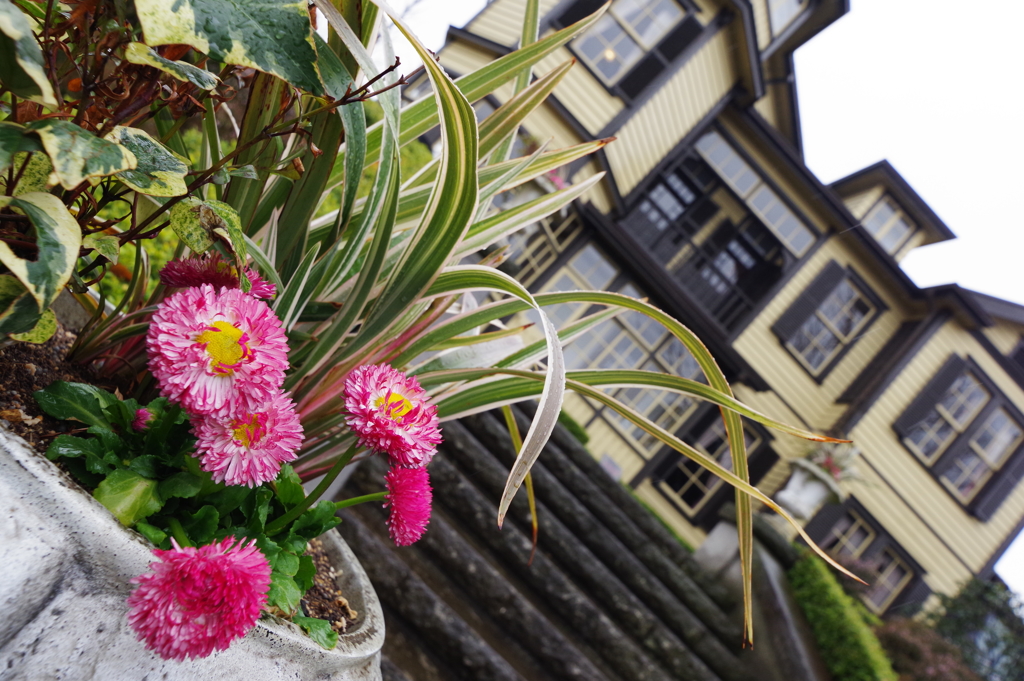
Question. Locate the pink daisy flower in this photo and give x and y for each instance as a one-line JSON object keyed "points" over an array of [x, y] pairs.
{"points": [[142, 418], [211, 269], [197, 600], [249, 449], [389, 413], [409, 497], [220, 354]]}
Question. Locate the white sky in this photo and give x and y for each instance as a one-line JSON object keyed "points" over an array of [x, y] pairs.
{"points": [[927, 84]]}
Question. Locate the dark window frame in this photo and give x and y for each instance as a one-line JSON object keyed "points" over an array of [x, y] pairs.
{"points": [[880, 308], [991, 495], [760, 459], [680, 37], [819, 528]]}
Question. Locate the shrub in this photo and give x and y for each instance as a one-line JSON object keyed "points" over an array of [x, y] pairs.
{"points": [[919, 653], [574, 427], [848, 647]]}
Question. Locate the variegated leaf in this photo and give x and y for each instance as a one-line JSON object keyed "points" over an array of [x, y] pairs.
{"points": [[58, 239], [19, 311], [13, 140], [78, 155], [273, 36], [41, 332], [137, 53], [23, 70], [159, 171], [105, 244]]}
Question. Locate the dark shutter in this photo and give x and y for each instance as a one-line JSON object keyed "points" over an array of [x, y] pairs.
{"points": [[931, 394], [680, 38], [999, 487], [642, 75], [576, 11], [805, 305], [910, 600], [824, 520]]}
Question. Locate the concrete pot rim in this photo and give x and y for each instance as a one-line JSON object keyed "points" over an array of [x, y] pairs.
{"points": [[123, 554]]}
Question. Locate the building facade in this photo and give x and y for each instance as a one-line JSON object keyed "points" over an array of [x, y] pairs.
{"points": [[707, 209]]}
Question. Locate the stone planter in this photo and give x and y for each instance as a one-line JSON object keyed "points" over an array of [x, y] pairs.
{"points": [[66, 565], [808, 489]]}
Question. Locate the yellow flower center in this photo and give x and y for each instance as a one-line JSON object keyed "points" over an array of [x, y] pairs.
{"points": [[250, 432], [397, 406], [226, 345]]}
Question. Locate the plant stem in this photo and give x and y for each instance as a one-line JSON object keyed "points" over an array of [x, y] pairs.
{"points": [[379, 496], [282, 522], [178, 532]]}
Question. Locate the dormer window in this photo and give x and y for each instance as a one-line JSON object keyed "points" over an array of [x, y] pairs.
{"points": [[620, 38], [889, 225]]}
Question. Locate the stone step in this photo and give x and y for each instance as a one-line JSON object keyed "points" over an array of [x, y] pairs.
{"points": [[463, 654], [624, 504], [488, 590], [598, 562], [609, 532]]}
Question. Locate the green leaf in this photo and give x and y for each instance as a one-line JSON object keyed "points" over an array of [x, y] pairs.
{"points": [[158, 172], [13, 140], [105, 244], [202, 525], [284, 592], [19, 311], [71, 447], [129, 496], [77, 154], [316, 520], [24, 71], [137, 53], [256, 507], [246, 171], [273, 36], [184, 485], [58, 238], [153, 534], [35, 170], [306, 573], [289, 488], [78, 401], [228, 499], [318, 630], [286, 563], [196, 221], [41, 332], [146, 467]]}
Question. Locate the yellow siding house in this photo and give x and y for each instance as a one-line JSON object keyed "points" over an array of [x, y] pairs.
{"points": [[707, 209]]}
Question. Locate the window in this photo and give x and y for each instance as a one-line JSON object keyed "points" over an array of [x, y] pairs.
{"points": [[628, 47], [892, 575], [534, 248], [835, 323], [968, 434], [827, 319], [750, 187], [707, 239], [889, 225], [853, 537], [782, 13], [690, 483], [849, 537]]}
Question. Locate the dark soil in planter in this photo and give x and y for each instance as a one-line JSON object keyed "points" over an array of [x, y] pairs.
{"points": [[325, 601], [26, 368]]}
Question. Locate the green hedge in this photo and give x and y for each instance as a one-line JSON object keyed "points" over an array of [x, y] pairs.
{"points": [[848, 647]]}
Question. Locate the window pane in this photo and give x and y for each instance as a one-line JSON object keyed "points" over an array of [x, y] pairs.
{"points": [[783, 12], [895, 235], [650, 20], [967, 473], [892, 577], [680, 188], [595, 269], [997, 437], [781, 220], [727, 162], [666, 201], [608, 49], [931, 434], [963, 399], [880, 217]]}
